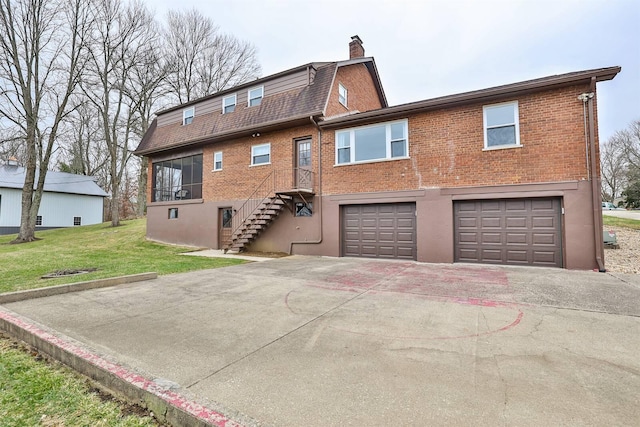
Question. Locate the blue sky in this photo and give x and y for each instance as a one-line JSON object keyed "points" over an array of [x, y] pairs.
{"points": [[424, 49]]}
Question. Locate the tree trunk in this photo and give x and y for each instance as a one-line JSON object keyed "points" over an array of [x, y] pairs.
{"points": [[142, 187], [27, 222]]}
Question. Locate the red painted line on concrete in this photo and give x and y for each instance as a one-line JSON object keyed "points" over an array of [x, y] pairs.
{"points": [[173, 398]]}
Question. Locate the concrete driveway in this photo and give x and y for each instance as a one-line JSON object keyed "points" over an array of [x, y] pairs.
{"points": [[622, 214], [313, 341]]}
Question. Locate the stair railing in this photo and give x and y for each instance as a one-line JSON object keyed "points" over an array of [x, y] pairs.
{"points": [[262, 192]]}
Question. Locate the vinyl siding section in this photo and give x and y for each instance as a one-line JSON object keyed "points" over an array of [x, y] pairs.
{"points": [[271, 87], [56, 209]]}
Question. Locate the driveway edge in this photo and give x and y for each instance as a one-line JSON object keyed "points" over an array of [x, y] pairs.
{"points": [[167, 405], [16, 296]]}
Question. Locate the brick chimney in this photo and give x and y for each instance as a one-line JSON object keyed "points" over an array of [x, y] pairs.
{"points": [[355, 48]]}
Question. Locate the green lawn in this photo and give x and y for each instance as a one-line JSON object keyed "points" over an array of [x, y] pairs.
{"points": [[37, 393], [113, 251], [34, 392], [620, 222]]}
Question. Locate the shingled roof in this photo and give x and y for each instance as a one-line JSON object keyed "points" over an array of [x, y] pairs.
{"points": [[54, 182], [285, 109]]}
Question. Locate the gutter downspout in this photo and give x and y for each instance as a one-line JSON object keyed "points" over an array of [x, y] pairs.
{"points": [[596, 199], [314, 242]]}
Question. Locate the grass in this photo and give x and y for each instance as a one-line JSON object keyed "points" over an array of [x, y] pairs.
{"points": [[35, 392], [613, 221], [113, 251]]}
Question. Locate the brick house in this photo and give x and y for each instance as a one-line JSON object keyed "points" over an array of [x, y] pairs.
{"points": [[312, 160]]}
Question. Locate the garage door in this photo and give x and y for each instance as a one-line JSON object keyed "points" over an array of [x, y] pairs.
{"points": [[379, 231], [509, 231]]}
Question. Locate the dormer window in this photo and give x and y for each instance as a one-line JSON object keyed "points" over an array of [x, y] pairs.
{"points": [[255, 96], [342, 94], [187, 115], [229, 104]]}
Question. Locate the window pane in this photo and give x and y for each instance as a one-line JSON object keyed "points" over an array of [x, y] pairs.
{"points": [[187, 170], [344, 155], [371, 143], [501, 136], [397, 131], [197, 169], [257, 160], [261, 149], [343, 139], [255, 101], [501, 115], [230, 108], [398, 148]]}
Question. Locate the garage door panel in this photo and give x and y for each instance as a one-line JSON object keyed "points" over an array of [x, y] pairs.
{"points": [[515, 205], [491, 222], [467, 222], [517, 256], [543, 222], [515, 222], [491, 255], [510, 231], [516, 238], [379, 230], [491, 238], [490, 206], [544, 239]]}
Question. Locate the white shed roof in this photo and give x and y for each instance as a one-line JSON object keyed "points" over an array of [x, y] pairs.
{"points": [[55, 182]]}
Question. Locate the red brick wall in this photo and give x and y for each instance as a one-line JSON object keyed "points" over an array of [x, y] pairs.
{"points": [[446, 149], [237, 180], [361, 91]]}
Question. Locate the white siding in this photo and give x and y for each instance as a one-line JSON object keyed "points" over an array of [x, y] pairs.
{"points": [[10, 207], [56, 209]]}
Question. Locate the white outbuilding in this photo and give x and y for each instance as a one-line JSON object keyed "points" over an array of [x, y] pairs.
{"points": [[68, 200]]}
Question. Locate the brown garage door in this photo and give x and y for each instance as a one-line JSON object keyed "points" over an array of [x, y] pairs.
{"points": [[509, 231], [379, 231]]}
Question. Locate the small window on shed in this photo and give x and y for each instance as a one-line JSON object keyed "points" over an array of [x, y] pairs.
{"points": [[77, 221], [39, 220], [187, 115]]}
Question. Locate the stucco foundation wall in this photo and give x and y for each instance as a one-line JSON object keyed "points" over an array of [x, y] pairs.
{"points": [[287, 228], [435, 222], [193, 227]]}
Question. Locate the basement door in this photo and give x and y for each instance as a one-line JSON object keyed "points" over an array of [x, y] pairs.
{"points": [[509, 231], [224, 226], [379, 231]]}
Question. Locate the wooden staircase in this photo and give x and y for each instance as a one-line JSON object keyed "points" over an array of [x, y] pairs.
{"points": [[257, 222]]}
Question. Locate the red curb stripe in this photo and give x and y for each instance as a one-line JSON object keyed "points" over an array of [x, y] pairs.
{"points": [[201, 412]]}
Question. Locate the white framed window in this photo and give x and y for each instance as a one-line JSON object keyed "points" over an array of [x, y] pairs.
{"points": [[187, 115], [342, 94], [377, 142], [229, 104], [77, 220], [255, 96], [261, 154], [501, 125], [217, 161]]}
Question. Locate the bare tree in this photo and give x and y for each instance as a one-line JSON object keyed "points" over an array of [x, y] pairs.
{"points": [[41, 53], [119, 38], [613, 168], [82, 148], [202, 60], [146, 89]]}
